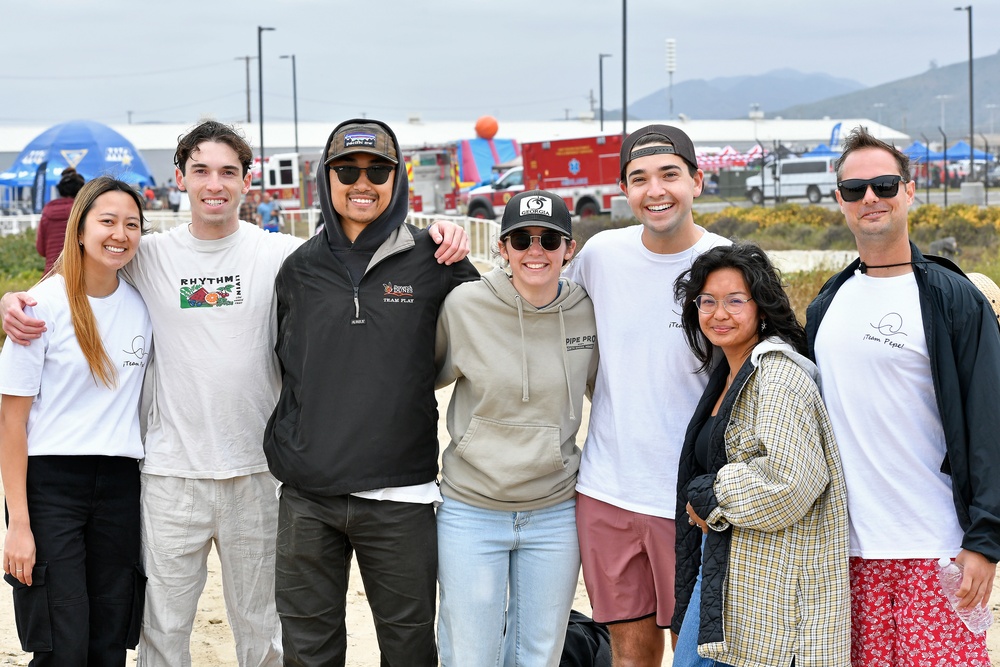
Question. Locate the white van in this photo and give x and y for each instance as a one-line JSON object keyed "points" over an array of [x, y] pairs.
{"points": [[809, 177]]}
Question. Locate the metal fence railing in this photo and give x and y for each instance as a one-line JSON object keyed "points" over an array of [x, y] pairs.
{"points": [[302, 223]]}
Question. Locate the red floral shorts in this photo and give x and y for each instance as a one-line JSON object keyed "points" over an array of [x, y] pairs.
{"points": [[900, 617]]}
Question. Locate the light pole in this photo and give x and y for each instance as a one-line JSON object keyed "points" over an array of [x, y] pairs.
{"points": [[942, 99], [944, 163], [260, 104], [624, 67], [972, 135], [247, 59], [990, 108], [878, 110], [295, 101], [600, 80], [671, 68], [927, 161]]}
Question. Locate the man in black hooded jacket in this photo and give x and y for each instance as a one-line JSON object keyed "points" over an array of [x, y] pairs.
{"points": [[353, 439]]}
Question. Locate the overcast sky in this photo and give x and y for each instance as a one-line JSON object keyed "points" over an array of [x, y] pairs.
{"points": [[441, 59]]}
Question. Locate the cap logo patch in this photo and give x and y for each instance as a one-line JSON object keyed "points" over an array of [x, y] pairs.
{"points": [[536, 206], [359, 139]]}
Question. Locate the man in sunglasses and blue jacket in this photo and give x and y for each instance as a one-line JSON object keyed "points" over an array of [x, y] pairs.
{"points": [[353, 439], [909, 354]]}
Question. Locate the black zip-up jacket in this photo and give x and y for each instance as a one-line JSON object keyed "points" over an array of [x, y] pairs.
{"points": [[357, 410], [963, 342]]}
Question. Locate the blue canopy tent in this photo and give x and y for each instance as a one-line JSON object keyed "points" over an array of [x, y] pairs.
{"points": [[92, 148], [821, 151], [917, 152], [960, 151]]}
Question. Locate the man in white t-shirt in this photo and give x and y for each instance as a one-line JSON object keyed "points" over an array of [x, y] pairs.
{"points": [[909, 354], [647, 389], [209, 288]]}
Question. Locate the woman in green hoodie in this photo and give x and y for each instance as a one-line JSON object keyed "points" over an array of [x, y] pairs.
{"points": [[521, 349]]}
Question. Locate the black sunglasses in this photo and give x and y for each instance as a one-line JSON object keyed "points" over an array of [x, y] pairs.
{"points": [[522, 240], [376, 173], [884, 187]]}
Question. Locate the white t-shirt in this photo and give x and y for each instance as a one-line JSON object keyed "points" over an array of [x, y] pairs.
{"points": [[872, 355], [214, 380], [647, 385], [74, 414]]}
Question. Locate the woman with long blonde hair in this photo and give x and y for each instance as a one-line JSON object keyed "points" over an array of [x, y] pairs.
{"points": [[70, 444]]}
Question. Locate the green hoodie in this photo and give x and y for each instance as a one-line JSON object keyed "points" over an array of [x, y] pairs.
{"points": [[520, 375]]}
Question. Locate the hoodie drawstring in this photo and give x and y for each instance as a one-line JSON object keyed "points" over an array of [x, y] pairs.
{"points": [[524, 351], [525, 394], [565, 356]]}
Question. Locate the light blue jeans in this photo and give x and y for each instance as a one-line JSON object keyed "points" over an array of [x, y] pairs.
{"points": [[686, 651], [507, 581]]}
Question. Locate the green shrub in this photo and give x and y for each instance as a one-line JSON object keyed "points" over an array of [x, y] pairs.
{"points": [[18, 254]]}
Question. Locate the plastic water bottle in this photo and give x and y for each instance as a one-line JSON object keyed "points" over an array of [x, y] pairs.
{"points": [[977, 618]]}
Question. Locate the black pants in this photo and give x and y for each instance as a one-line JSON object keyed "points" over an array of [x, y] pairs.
{"points": [[85, 604], [396, 545]]}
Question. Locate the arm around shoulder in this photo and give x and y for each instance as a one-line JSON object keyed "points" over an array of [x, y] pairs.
{"points": [[18, 326]]}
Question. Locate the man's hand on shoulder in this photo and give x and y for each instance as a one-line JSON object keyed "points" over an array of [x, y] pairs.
{"points": [[19, 327], [452, 240], [977, 579]]}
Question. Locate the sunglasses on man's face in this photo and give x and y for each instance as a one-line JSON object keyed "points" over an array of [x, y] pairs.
{"points": [[377, 173], [548, 240], [884, 187]]}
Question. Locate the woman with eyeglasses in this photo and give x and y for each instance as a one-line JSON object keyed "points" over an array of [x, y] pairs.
{"points": [[762, 533], [70, 445], [521, 348]]}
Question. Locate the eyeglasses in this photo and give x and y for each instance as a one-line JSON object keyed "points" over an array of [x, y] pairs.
{"points": [[884, 187], [376, 173], [548, 240], [707, 304]]}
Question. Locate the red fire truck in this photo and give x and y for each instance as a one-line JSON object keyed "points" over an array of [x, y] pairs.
{"points": [[432, 172], [584, 172]]}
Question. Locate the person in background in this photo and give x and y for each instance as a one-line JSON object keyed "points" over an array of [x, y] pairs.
{"points": [[70, 445], [522, 351], [174, 199], [267, 213], [646, 390], [761, 499], [248, 208], [52, 226], [909, 353]]}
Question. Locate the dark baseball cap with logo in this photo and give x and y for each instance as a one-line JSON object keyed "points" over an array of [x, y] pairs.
{"points": [[536, 208], [362, 138], [680, 145]]}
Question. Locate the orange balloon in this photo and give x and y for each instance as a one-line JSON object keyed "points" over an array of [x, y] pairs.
{"points": [[486, 127]]}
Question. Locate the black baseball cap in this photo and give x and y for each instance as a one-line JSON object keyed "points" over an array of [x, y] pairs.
{"points": [[536, 208], [680, 144]]}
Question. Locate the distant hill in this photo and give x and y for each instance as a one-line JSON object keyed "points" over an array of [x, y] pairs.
{"points": [[730, 97], [909, 105]]}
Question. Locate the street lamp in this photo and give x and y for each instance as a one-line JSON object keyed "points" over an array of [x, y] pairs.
{"points": [[943, 99], [295, 100], [671, 68], [972, 135], [260, 101], [878, 109], [624, 67], [600, 75]]}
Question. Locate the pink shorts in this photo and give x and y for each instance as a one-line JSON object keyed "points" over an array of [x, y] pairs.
{"points": [[628, 562], [900, 617]]}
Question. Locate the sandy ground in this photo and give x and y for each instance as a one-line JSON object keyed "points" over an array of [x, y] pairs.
{"points": [[212, 640]]}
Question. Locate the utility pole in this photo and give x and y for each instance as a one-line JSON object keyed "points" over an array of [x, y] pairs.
{"points": [[260, 100], [247, 59], [671, 68]]}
